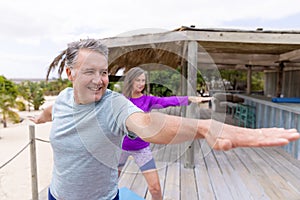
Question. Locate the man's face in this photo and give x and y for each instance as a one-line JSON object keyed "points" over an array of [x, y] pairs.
{"points": [[89, 76]]}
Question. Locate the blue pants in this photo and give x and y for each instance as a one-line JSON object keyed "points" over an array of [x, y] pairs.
{"points": [[50, 197]]}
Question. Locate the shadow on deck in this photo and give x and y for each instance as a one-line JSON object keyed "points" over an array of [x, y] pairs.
{"points": [[247, 173]]}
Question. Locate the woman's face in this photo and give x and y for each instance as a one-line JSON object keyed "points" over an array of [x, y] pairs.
{"points": [[138, 84]]}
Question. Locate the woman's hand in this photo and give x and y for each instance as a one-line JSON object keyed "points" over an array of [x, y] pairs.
{"points": [[195, 99]]}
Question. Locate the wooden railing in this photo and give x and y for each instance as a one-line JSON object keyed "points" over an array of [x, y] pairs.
{"points": [[283, 115]]}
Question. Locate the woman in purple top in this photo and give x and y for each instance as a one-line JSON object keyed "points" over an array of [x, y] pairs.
{"points": [[134, 84]]}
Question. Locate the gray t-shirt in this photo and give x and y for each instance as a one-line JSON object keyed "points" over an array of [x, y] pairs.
{"points": [[86, 142]]}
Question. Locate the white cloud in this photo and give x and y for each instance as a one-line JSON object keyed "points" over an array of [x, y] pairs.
{"points": [[45, 27]]}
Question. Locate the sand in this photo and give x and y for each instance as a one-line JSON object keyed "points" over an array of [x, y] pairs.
{"points": [[15, 177]]}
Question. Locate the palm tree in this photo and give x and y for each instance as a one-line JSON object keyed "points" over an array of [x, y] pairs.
{"points": [[8, 95], [32, 93], [8, 102], [59, 60]]}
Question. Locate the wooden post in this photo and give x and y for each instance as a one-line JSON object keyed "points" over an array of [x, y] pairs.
{"points": [[184, 85], [34, 180], [249, 79], [297, 145], [191, 91], [279, 79], [148, 82]]}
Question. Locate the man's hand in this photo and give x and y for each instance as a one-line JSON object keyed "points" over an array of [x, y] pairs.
{"points": [[37, 119], [232, 136], [45, 116]]}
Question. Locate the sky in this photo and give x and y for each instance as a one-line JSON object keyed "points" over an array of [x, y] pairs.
{"points": [[34, 32]]}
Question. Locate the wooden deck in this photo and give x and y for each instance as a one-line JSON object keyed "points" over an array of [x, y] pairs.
{"points": [[246, 173]]}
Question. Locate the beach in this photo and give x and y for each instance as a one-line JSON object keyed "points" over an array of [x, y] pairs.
{"points": [[15, 177]]}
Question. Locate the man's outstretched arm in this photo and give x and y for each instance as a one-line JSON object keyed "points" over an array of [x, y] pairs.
{"points": [[164, 129], [45, 116]]}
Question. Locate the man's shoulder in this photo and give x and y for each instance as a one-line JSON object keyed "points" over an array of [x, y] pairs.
{"points": [[67, 90], [111, 94], [66, 93], [115, 98]]}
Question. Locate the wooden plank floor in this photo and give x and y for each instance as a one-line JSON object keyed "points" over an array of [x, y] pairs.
{"points": [[241, 174], [246, 173]]}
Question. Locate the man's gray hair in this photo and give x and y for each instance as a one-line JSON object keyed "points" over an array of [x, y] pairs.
{"points": [[92, 44]]}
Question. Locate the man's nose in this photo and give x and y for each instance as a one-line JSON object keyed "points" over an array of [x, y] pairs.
{"points": [[97, 79]]}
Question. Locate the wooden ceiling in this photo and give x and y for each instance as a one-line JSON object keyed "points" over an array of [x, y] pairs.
{"points": [[229, 49]]}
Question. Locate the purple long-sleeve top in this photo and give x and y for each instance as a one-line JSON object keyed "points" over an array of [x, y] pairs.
{"points": [[147, 103]]}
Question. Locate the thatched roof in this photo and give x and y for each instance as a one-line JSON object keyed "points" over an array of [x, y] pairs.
{"points": [[224, 48]]}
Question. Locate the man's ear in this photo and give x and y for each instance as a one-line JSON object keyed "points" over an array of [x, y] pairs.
{"points": [[69, 74]]}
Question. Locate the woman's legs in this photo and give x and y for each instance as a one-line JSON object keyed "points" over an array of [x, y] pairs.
{"points": [[145, 161], [152, 179]]}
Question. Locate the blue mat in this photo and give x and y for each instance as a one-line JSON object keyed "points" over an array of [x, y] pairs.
{"points": [[286, 100], [126, 194]]}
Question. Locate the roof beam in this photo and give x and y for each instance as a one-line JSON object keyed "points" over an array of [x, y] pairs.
{"points": [[245, 37], [292, 56], [233, 67], [238, 59], [208, 36]]}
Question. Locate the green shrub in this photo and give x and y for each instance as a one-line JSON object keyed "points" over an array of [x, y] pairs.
{"points": [[20, 105]]}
